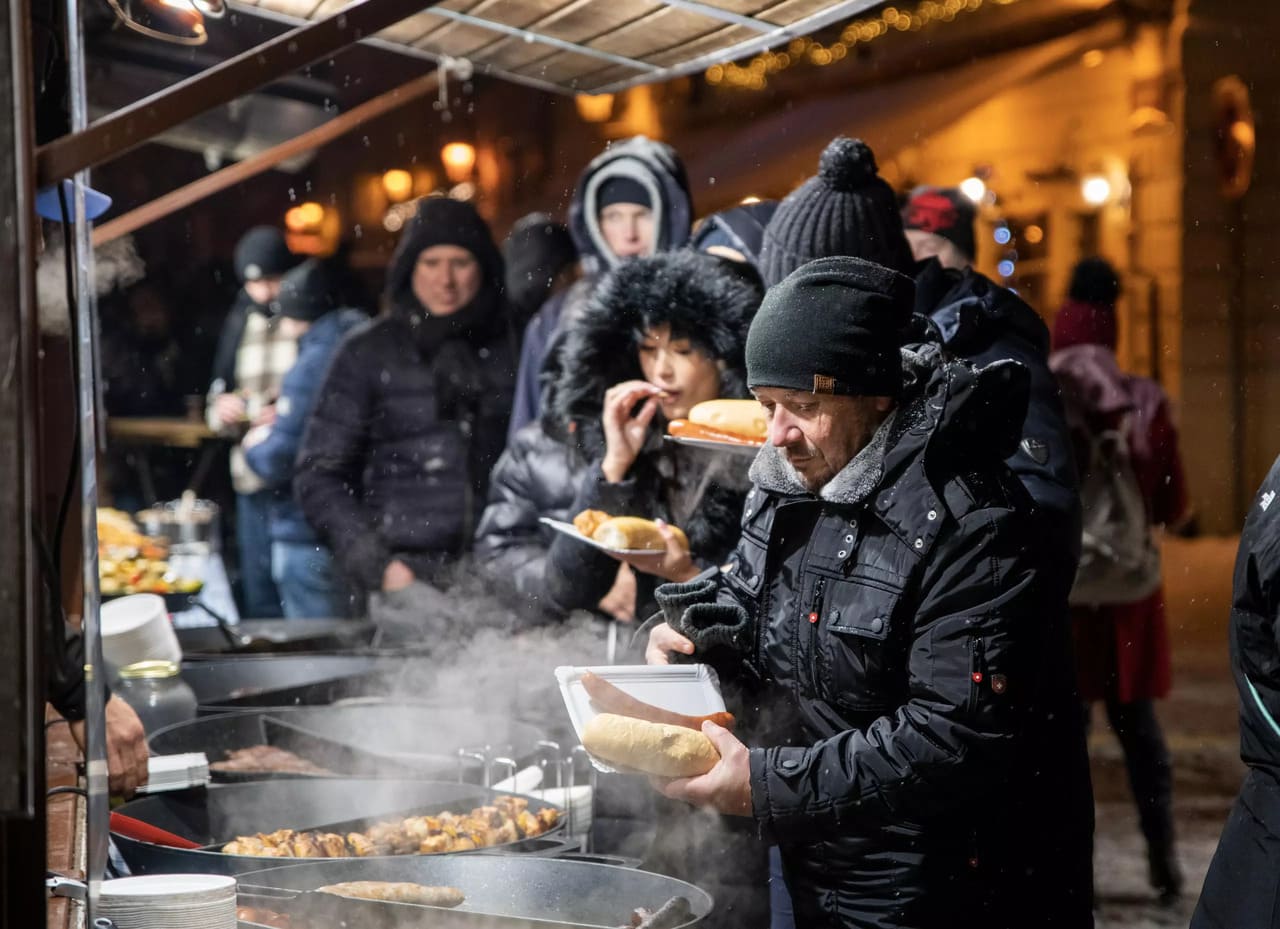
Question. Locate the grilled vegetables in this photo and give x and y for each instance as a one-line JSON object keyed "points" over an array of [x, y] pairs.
{"points": [[508, 820]]}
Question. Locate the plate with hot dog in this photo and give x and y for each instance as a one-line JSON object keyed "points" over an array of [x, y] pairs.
{"points": [[645, 718], [739, 427], [617, 535]]}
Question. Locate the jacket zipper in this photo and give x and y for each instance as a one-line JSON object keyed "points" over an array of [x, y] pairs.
{"points": [[977, 668], [815, 620]]}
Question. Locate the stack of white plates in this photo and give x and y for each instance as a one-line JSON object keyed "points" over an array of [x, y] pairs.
{"points": [[137, 628], [170, 901], [176, 772]]}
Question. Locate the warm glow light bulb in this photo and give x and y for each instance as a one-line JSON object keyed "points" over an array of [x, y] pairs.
{"points": [[974, 188], [398, 185], [458, 159], [1095, 189]]}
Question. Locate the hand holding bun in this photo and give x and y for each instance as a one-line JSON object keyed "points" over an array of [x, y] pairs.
{"points": [[652, 748]]}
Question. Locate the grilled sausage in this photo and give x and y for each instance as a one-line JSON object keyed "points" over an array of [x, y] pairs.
{"points": [[608, 698]]}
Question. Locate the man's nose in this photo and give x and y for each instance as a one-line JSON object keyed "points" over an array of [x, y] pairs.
{"points": [[782, 430]]}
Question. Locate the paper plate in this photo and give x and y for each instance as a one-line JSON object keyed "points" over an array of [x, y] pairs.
{"points": [[570, 530]]}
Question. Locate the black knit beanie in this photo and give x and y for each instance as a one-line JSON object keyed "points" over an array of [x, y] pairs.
{"points": [[835, 326], [846, 209], [262, 252], [1094, 280], [307, 292]]}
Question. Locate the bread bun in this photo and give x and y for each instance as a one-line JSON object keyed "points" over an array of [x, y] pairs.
{"points": [[652, 748], [744, 418], [631, 533]]}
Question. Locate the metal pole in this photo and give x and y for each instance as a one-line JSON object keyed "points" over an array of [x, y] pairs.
{"points": [[133, 125], [22, 825]]}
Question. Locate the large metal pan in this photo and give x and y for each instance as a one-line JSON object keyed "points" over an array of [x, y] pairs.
{"points": [[380, 739], [221, 812], [277, 636], [289, 680], [502, 892]]}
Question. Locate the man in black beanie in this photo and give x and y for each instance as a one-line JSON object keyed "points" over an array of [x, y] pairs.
{"points": [[878, 626], [248, 369]]}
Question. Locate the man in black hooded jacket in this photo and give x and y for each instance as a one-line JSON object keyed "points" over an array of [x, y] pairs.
{"points": [[1242, 888], [412, 415], [884, 622]]}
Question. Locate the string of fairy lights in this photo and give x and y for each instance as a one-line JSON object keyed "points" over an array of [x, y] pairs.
{"points": [[754, 75]]}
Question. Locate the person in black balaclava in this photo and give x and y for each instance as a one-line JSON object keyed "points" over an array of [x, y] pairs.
{"points": [[412, 416]]}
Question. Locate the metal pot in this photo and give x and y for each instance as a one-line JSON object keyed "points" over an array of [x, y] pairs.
{"points": [[217, 814], [502, 892], [182, 522]]}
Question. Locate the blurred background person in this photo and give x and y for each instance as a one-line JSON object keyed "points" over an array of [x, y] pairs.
{"points": [[939, 224], [1132, 482], [310, 585], [631, 200], [412, 416], [541, 261], [736, 233], [250, 363]]}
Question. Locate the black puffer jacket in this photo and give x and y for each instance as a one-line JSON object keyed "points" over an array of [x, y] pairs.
{"points": [[552, 468], [1242, 887], [906, 679], [412, 415]]}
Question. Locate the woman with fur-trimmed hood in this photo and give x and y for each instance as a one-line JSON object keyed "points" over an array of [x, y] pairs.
{"points": [[672, 324]]}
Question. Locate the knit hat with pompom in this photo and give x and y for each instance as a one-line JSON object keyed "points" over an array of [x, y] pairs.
{"points": [[847, 209]]}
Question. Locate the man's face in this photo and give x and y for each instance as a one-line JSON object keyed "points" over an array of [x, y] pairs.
{"points": [[820, 433], [627, 229], [446, 278], [263, 290], [925, 245]]}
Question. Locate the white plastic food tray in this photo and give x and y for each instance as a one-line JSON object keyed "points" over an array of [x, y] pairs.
{"points": [[691, 689]]}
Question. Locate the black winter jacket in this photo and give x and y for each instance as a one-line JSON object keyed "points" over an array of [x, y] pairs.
{"points": [[892, 639], [1242, 887], [412, 416], [552, 468], [981, 322]]}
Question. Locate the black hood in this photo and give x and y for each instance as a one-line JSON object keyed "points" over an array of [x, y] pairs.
{"points": [[957, 414], [695, 294], [657, 168], [970, 310], [443, 221]]}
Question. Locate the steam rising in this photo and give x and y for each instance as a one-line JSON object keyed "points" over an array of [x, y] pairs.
{"points": [[116, 264]]}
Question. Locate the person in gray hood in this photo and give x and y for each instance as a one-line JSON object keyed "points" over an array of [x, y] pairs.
{"points": [[631, 200]]}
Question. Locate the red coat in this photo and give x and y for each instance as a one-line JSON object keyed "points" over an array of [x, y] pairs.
{"points": [[1123, 651]]}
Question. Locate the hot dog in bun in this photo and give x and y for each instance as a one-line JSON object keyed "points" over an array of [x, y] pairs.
{"points": [[652, 748], [738, 422], [625, 533]]}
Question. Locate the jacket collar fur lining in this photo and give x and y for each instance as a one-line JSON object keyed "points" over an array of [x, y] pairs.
{"points": [[855, 482]]}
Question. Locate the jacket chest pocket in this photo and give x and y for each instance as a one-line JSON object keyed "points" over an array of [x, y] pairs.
{"points": [[860, 659]]}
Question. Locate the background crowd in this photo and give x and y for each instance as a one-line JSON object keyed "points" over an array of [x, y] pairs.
{"points": [[383, 455]]}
